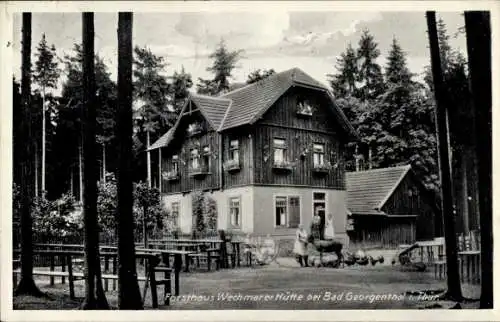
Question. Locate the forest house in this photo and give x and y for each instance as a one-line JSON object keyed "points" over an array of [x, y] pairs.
{"points": [[269, 154]]}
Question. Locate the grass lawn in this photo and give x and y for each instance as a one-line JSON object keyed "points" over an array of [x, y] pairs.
{"points": [[283, 286]]}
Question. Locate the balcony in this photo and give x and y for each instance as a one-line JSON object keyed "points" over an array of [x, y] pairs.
{"points": [[304, 110], [198, 172], [282, 166], [194, 129], [232, 165], [321, 169], [170, 175]]}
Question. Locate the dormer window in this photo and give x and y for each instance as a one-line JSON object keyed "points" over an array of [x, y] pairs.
{"points": [[304, 107]]}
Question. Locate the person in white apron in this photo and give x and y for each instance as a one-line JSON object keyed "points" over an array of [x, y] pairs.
{"points": [[299, 248], [329, 232]]}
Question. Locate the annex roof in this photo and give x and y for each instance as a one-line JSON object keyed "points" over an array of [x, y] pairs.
{"points": [[368, 191]]}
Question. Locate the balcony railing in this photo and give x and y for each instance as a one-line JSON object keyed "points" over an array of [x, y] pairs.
{"points": [[321, 168], [232, 165], [282, 166], [198, 171], [194, 129], [170, 175]]}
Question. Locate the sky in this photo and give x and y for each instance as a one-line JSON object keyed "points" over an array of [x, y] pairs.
{"points": [[281, 40]]}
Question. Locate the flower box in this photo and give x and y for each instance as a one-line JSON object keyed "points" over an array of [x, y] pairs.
{"points": [[232, 165], [170, 175], [282, 166], [198, 172], [321, 168], [194, 129]]}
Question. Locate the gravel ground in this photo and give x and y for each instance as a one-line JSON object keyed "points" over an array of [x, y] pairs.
{"points": [[281, 285]]}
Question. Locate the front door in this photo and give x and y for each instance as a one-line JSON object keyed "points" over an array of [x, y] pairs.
{"points": [[319, 207]]}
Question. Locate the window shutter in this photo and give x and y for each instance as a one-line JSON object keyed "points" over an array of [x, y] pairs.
{"points": [[294, 212]]}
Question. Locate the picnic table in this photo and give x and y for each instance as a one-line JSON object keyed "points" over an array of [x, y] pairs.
{"points": [[470, 265], [68, 257]]}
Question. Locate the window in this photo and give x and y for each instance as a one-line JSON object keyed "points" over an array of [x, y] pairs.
{"points": [[195, 159], [287, 211], [319, 196], [175, 213], [279, 151], [175, 164], [206, 157], [235, 211], [234, 151], [318, 154]]}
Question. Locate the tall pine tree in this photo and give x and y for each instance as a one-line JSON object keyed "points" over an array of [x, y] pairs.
{"points": [[67, 137], [224, 62], [151, 92], [181, 83], [258, 75], [344, 82], [370, 72], [45, 75]]}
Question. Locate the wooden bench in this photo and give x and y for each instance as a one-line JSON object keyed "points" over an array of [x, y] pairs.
{"points": [[73, 276], [209, 255]]}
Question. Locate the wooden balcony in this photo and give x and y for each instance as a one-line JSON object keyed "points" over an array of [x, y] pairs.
{"points": [[232, 166], [321, 169], [171, 175], [198, 172], [282, 166]]}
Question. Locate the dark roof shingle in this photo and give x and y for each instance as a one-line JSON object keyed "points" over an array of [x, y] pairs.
{"points": [[367, 191], [246, 104]]}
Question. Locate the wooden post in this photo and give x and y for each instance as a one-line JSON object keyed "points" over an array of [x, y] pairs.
{"points": [[478, 31], [159, 171], [453, 279]]}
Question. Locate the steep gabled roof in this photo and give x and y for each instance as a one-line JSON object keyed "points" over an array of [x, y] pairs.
{"points": [[212, 108], [368, 191], [247, 104], [253, 100]]}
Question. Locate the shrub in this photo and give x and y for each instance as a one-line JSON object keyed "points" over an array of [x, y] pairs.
{"points": [[56, 218]]}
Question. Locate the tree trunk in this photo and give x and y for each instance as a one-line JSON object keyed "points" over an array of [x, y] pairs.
{"points": [[43, 140], [104, 162], [453, 278], [27, 284], [80, 170], [159, 171], [477, 25], [71, 189], [370, 157], [94, 292], [144, 227], [35, 147], [129, 296], [148, 158]]}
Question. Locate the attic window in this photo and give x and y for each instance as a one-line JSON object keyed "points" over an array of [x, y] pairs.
{"points": [[304, 107]]}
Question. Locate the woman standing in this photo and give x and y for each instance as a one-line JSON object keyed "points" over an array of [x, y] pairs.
{"points": [[329, 232], [299, 247]]}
